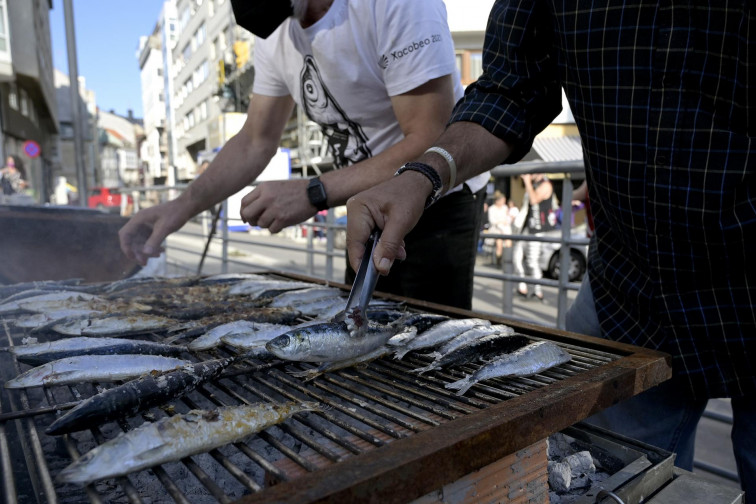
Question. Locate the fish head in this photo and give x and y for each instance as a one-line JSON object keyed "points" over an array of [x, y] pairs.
{"points": [[292, 345]]}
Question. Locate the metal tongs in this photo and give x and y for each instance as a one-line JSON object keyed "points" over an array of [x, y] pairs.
{"points": [[355, 313]]}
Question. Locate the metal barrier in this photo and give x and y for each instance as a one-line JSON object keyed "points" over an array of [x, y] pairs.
{"points": [[222, 237]]}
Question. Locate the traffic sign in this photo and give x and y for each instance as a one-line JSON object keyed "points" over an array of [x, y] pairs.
{"points": [[32, 149]]}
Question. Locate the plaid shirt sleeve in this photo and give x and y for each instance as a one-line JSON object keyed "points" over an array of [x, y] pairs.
{"points": [[518, 94]]}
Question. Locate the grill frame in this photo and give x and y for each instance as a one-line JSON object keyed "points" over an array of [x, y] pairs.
{"points": [[412, 465]]}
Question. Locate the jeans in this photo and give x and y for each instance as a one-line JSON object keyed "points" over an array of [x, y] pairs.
{"points": [[667, 415]]}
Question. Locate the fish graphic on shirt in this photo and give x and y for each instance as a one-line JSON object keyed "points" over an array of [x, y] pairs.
{"points": [[346, 140]]}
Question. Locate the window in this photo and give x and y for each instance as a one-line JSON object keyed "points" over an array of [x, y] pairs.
{"points": [[200, 74], [214, 49], [24, 103], [186, 15], [13, 97], [3, 30], [199, 37], [187, 52], [203, 110]]}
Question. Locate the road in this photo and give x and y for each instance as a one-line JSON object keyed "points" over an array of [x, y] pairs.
{"points": [[259, 251]]}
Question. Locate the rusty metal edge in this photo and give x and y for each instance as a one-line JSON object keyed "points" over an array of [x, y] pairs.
{"points": [[410, 468]]}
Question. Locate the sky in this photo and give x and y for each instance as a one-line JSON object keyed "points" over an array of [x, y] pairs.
{"points": [[107, 40]]}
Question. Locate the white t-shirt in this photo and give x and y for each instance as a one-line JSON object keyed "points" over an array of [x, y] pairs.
{"points": [[344, 69]]}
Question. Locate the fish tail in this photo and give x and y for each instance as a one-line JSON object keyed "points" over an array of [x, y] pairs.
{"points": [[461, 385], [429, 367], [400, 353]]}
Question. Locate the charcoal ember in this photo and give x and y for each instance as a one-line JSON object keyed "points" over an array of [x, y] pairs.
{"points": [[560, 476], [581, 463]]}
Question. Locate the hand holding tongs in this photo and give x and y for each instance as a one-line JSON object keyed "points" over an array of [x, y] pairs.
{"points": [[355, 313]]}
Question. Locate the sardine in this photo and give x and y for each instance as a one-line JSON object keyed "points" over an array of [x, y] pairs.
{"points": [[41, 353], [55, 300], [242, 332], [253, 288], [257, 336], [466, 337], [177, 437], [115, 325], [327, 341], [440, 334], [323, 309], [93, 368], [473, 350], [423, 321], [398, 339], [39, 322], [137, 395], [529, 360], [303, 296]]}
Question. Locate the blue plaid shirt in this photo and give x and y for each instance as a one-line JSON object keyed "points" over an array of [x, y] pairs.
{"points": [[664, 96]]}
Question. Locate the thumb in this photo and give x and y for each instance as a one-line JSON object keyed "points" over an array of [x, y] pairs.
{"points": [[387, 251]]}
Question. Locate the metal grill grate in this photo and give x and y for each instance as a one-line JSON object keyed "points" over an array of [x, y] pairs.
{"points": [[380, 420]]}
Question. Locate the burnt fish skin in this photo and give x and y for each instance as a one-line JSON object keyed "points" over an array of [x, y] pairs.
{"points": [[327, 341], [40, 353], [137, 395], [529, 360], [176, 437], [492, 344], [93, 368]]}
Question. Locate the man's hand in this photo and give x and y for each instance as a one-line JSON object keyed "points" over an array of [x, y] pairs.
{"points": [[394, 206], [142, 236], [277, 204]]}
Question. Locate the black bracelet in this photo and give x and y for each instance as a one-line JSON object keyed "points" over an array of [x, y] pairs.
{"points": [[429, 172]]}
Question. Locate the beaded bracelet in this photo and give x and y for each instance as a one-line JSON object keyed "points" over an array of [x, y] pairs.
{"points": [[430, 173]]}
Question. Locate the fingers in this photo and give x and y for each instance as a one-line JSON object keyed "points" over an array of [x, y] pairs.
{"points": [[390, 207], [141, 237]]}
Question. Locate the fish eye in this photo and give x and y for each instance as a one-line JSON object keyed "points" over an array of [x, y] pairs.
{"points": [[283, 340]]}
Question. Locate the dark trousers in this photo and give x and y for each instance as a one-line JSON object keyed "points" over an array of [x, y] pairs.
{"points": [[441, 252]]}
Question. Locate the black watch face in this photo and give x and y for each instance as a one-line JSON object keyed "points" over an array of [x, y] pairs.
{"points": [[316, 194]]}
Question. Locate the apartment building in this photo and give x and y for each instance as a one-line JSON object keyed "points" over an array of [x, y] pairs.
{"points": [[154, 150], [64, 164], [28, 114]]}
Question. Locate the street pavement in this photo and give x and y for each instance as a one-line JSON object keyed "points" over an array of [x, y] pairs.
{"points": [[259, 251]]}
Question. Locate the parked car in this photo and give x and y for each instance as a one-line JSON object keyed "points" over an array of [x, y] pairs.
{"points": [[549, 260], [106, 199]]}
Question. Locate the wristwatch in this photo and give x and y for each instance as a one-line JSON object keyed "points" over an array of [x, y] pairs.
{"points": [[316, 194]]}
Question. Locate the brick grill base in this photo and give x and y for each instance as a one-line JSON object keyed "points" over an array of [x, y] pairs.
{"points": [[519, 478]]}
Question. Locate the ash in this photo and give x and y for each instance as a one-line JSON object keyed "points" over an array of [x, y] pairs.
{"points": [[572, 470]]}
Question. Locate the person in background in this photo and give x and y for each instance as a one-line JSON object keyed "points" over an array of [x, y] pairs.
{"points": [[500, 222], [537, 215], [13, 175], [380, 78], [668, 128]]}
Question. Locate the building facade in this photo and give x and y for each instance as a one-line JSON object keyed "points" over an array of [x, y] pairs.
{"points": [[28, 113], [154, 150], [64, 162]]}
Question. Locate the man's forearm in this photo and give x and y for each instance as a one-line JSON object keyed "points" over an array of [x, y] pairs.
{"points": [[473, 149], [237, 165]]}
